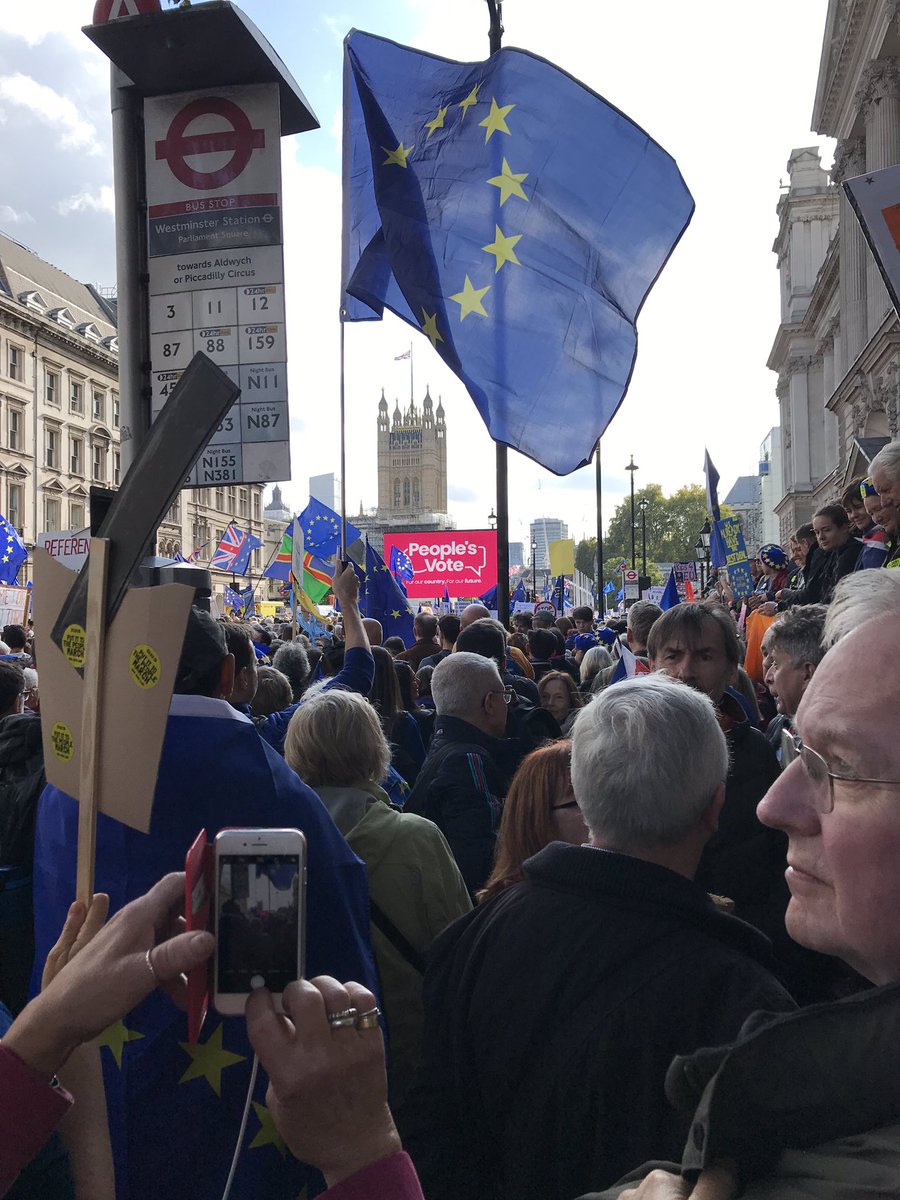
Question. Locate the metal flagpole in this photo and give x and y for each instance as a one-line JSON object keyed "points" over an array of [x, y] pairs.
{"points": [[602, 598], [343, 455], [495, 36], [411, 392]]}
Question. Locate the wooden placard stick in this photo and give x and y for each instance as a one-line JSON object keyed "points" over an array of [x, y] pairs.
{"points": [[91, 717]]}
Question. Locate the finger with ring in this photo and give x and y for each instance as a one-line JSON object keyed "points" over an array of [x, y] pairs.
{"points": [[345, 1019], [150, 967], [371, 1019]]}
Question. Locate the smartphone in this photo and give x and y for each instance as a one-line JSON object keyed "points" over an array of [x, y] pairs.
{"points": [[260, 914]]}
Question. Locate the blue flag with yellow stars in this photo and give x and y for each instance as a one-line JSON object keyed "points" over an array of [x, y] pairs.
{"points": [[321, 527], [12, 552], [381, 597], [518, 220]]}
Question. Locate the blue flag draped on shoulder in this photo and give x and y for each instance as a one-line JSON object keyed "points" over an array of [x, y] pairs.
{"points": [[12, 552], [514, 217]]}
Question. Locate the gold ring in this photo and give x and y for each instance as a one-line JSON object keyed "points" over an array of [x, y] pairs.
{"points": [[370, 1019], [152, 969]]}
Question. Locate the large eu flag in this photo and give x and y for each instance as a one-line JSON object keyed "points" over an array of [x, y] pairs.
{"points": [[381, 597], [518, 220]]}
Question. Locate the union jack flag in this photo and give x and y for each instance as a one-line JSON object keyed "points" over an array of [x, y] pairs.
{"points": [[233, 552]]}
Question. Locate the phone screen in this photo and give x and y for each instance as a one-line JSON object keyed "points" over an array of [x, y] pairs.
{"points": [[258, 921]]}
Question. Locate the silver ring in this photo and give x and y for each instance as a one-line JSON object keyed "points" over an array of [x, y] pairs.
{"points": [[150, 967], [345, 1019], [370, 1019]]}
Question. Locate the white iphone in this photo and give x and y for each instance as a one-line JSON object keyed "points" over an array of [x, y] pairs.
{"points": [[260, 914]]}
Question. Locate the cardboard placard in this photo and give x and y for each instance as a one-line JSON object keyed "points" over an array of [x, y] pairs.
{"points": [[14, 602], [199, 886], [143, 645]]}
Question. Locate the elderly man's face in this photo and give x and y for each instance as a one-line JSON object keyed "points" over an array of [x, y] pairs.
{"points": [[843, 865], [888, 489]]}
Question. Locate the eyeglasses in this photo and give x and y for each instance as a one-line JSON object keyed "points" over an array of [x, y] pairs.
{"points": [[792, 748], [507, 694]]}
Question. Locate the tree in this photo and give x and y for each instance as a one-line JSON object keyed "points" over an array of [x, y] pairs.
{"points": [[672, 523]]}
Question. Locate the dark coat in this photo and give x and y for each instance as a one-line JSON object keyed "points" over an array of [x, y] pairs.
{"points": [[552, 1014], [461, 787], [21, 783]]}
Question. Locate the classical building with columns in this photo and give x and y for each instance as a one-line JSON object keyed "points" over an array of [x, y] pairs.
{"points": [[837, 350]]}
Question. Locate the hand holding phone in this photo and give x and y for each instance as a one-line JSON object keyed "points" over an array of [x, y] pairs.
{"points": [[260, 914]]}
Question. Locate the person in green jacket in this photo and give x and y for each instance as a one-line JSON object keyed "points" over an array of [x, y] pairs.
{"points": [[336, 744]]}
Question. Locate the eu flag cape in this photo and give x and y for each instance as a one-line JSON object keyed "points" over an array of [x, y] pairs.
{"points": [[518, 220], [174, 1116]]}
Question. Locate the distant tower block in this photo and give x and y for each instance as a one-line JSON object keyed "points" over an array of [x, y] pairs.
{"points": [[412, 459]]}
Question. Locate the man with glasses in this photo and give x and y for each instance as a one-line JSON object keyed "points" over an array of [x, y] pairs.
{"points": [[462, 784]]}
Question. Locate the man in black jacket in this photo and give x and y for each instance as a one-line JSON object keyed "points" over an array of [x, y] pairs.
{"points": [[554, 1010], [461, 785], [21, 783]]}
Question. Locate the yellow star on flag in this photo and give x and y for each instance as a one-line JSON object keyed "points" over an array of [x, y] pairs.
{"points": [[436, 122], [114, 1038], [509, 184], [495, 121], [395, 613], [503, 248], [471, 99], [208, 1060], [397, 157], [6, 558], [430, 329], [469, 300], [267, 1134]]}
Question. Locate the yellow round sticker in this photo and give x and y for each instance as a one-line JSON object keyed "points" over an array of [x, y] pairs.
{"points": [[61, 740], [144, 665], [73, 645]]}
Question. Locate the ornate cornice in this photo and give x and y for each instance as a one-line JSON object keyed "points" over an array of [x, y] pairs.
{"points": [[880, 80], [849, 159]]}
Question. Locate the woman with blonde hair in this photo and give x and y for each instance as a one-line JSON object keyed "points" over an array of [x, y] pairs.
{"points": [[540, 808], [561, 698], [336, 744]]}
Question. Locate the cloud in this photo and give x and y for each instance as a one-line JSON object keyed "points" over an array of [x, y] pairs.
{"points": [[86, 201], [10, 216], [49, 107], [461, 495]]}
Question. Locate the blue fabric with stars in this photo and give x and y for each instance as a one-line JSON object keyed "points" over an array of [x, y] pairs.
{"points": [[12, 552], [321, 528], [518, 220], [381, 597]]}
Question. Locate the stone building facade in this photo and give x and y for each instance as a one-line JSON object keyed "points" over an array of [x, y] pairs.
{"points": [[837, 350], [59, 416]]}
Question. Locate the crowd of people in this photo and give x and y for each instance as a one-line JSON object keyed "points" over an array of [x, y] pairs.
{"points": [[621, 890]]}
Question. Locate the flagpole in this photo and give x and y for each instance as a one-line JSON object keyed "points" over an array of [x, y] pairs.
{"points": [[495, 37], [343, 454], [602, 595], [411, 391]]}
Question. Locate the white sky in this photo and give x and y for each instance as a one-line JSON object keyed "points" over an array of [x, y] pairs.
{"points": [[726, 89]]}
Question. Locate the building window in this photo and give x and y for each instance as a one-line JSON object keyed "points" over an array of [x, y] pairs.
{"points": [[396, 493], [115, 402], [117, 468], [98, 406], [232, 502], [76, 458], [76, 514], [76, 396], [406, 493], [14, 362], [415, 493], [14, 510], [51, 388], [14, 428], [51, 449], [255, 556], [52, 508], [244, 502], [256, 506], [220, 499], [99, 466]]}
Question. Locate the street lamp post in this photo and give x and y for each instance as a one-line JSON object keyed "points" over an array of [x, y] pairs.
{"points": [[702, 549], [492, 519], [632, 467], [534, 570], [643, 505]]}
